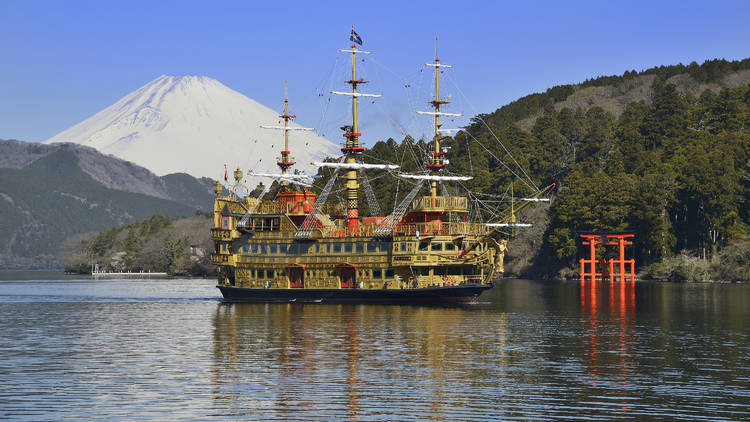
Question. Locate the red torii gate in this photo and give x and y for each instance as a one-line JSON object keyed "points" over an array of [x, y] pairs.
{"points": [[616, 273]]}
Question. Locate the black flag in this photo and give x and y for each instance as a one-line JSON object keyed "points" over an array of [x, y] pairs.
{"points": [[356, 38]]}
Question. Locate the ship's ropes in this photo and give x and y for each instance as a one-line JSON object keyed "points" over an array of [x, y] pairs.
{"points": [[371, 201], [242, 224], [525, 179], [306, 229], [385, 228]]}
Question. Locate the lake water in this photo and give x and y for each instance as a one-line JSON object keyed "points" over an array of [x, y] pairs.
{"points": [[171, 350]]}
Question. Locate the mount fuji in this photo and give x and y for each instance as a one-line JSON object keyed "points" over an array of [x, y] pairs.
{"points": [[195, 125]]}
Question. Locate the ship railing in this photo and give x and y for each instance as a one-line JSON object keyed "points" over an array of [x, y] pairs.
{"points": [[217, 233], [272, 207], [219, 259], [440, 228], [267, 207], [440, 203], [473, 279]]}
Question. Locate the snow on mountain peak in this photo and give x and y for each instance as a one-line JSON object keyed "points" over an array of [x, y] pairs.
{"points": [[193, 124]]}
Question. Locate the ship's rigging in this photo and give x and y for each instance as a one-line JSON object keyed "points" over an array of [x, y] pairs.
{"points": [[432, 166], [428, 247]]}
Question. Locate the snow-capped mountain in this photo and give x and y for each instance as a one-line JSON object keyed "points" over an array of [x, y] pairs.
{"points": [[194, 124]]}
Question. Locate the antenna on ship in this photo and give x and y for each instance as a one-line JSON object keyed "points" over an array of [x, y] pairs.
{"points": [[437, 161]]}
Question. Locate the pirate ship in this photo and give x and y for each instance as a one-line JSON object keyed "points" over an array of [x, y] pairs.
{"points": [[288, 249]]}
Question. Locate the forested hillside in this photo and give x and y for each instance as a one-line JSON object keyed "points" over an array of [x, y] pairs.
{"points": [[671, 166], [173, 245], [51, 192]]}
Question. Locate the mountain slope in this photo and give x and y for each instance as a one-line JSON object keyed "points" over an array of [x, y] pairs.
{"points": [[115, 173], [191, 124], [614, 93], [52, 198]]}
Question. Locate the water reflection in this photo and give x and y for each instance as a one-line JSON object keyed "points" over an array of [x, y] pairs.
{"points": [[531, 350], [608, 314], [316, 355]]}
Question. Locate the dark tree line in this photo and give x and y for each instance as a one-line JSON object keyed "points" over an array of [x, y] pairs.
{"points": [[673, 169]]}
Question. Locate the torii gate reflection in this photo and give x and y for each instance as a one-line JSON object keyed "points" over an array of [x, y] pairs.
{"points": [[608, 316]]}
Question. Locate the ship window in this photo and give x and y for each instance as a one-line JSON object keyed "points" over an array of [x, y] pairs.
{"points": [[337, 248], [372, 247], [252, 273], [269, 273], [254, 248], [238, 248], [223, 247], [439, 271], [437, 246], [360, 247], [247, 248], [303, 247], [454, 270], [390, 272], [225, 223], [317, 248], [384, 247], [293, 248], [468, 270], [272, 248], [450, 246], [403, 246], [275, 223], [263, 248], [424, 246], [283, 248], [377, 273], [425, 271], [347, 247]]}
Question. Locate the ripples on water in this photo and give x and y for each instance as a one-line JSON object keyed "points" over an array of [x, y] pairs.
{"points": [[169, 349]]}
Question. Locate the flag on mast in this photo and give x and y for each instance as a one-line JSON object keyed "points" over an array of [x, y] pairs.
{"points": [[355, 37], [226, 176]]}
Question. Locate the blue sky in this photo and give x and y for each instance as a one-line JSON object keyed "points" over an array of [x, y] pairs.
{"points": [[63, 61]]}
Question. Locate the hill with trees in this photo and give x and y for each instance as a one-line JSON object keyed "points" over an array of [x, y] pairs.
{"points": [[665, 153], [178, 246], [51, 192]]}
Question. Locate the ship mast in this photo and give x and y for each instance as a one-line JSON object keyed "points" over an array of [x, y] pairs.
{"points": [[285, 161], [352, 134], [351, 149], [437, 162]]}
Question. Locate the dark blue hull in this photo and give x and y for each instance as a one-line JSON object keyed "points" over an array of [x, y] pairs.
{"points": [[447, 294]]}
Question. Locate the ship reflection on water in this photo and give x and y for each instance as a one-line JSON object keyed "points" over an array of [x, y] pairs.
{"points": [[313, 359], [531, 350]]}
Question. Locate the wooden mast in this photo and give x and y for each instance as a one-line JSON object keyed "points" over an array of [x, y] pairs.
{"points": [[351, 149], [285, 161], [436, 162], [352, 134]]}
